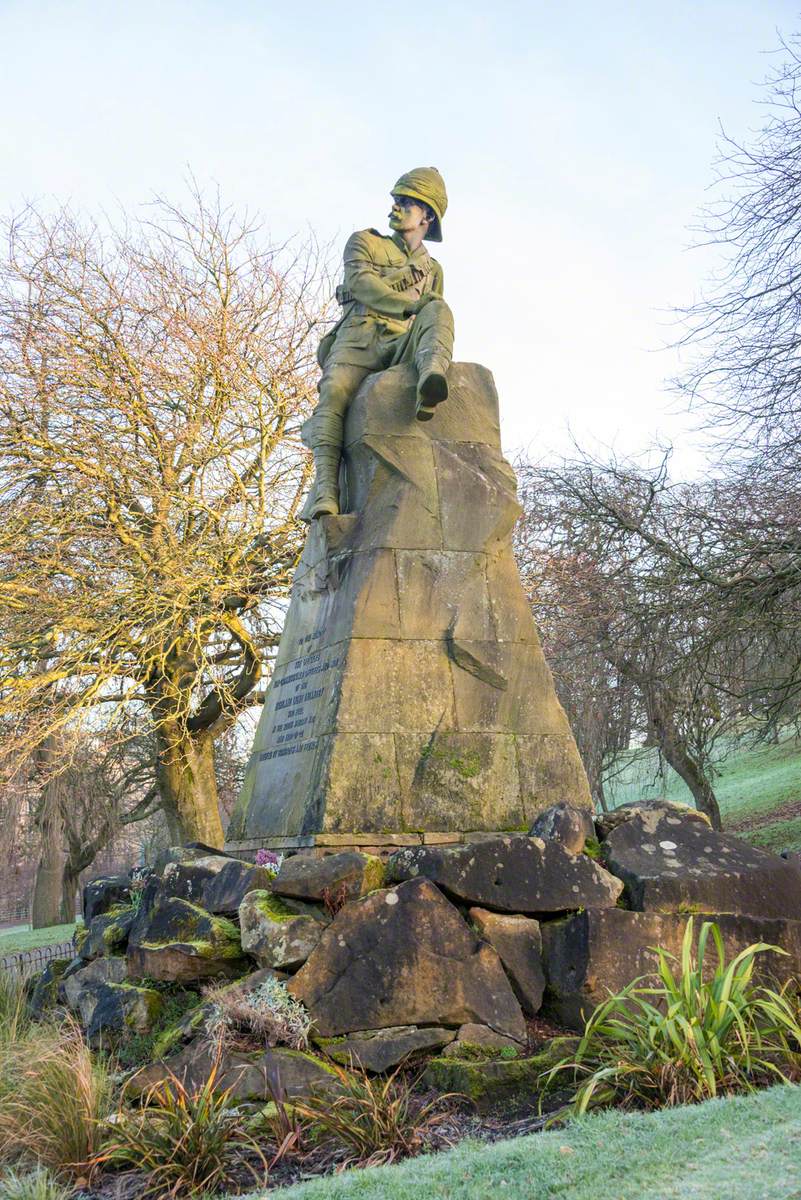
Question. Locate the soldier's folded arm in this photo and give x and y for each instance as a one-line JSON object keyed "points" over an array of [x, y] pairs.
{"points": [[366, 285], [435, 292]]}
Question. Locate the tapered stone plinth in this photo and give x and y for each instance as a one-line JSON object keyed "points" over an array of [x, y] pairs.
{"points": [[410, 691]]}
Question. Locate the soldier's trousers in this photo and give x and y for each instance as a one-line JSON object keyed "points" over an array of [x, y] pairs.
{"points": [[428, 344]]}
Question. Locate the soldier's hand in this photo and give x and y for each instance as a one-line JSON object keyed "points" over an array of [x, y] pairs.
{"points": [[418, 305]]}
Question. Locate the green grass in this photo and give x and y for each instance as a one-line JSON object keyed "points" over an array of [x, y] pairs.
{"points": [[752, 784], [14, 940], [749, 1147]]}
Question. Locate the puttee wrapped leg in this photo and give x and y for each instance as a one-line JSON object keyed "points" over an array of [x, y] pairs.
{"points": [[432, 347], [322, 433]]}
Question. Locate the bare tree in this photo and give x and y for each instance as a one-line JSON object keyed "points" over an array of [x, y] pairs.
{"points": [[741, 546], [600, 703], [598, 578], [109, 785], [152, 385], [744, 332]]}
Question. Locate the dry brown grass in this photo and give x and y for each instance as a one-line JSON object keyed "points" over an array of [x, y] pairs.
{"points": [[54, 1096]]}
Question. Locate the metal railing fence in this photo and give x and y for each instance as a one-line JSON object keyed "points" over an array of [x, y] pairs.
{"points": [[28, 962]]}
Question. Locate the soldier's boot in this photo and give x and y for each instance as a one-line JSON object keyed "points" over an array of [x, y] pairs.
{"points": [[432, 388], [432, 337], [322, 433], [323, 499]]}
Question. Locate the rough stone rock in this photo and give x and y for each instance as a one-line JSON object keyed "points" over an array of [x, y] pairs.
{"points": [[511, 1085], [216, 883], [188, 853], [566, 824], [91, 977], [672, 865], [510, 874], [45, 991], [107, 933], [518, 944], [116, 1007], [99, 895], [599, 951], [379, 1050], [249, 1075], [149, 896], [74, 965], [472, 1036], [606, 822], [182, 942], [276, 934], [350, 873], [410, 689], [404, 956]]}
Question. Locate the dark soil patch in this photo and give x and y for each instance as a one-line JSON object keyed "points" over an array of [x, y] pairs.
{"points": [[327, 1157], [785, 812]]}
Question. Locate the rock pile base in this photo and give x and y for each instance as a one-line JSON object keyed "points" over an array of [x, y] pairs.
{"points": [[442, 951]]}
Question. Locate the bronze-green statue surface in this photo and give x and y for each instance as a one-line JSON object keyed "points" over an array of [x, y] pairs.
{"points": [[393, 312], [409, 697]]}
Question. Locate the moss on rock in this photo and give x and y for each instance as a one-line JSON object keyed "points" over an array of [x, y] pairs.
{"points": [[496, 1083], [44, 993], [181, 941], [271, 906], [115, 932], [180, 1031], [375, 874]]}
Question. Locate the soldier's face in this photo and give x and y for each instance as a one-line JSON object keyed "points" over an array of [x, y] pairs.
{"points": [[407, 215]]}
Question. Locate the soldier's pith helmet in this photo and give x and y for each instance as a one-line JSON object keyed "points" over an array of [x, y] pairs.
{"points": [[427, 185]]}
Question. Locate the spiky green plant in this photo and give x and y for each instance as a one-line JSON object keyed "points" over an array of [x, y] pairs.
{"points": [[184, 1140], [685, 1038], [377, 1119]]}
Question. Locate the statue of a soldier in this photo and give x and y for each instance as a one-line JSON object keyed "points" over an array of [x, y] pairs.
{"points": [[393, 312]]}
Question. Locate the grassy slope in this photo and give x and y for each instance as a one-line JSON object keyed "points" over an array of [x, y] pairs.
{"points": [[14, 940], [755, 787], [748, 1147]]}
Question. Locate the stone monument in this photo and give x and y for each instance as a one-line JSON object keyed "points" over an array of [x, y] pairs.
{"points": [[410, 694]]}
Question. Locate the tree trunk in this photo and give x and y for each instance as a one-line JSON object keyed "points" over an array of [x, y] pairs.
{"points": [[47, 890], [188, 785], [685, 765], [663, 732], [69, 888], [676, 753]]}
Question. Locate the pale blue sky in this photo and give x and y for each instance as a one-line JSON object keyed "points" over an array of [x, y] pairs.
{"points": [[576, 141]]}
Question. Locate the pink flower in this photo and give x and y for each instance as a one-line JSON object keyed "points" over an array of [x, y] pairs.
{"points": [[266, 858]]}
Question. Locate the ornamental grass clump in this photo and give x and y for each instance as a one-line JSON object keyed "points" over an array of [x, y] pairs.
{"points": [[33, 1185], [15, 1016], [377, 1119], [679, 1038], [265, 1014], [54, 1096], [184, 1142]]}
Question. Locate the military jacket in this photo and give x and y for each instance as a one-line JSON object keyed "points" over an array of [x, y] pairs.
{"points": [[381, 280]]}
